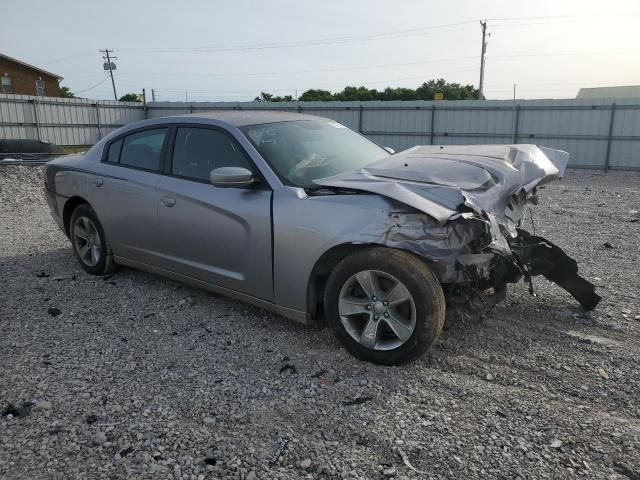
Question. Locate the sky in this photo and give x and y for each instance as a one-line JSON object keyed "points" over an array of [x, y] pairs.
{"points": [[232, 50]]}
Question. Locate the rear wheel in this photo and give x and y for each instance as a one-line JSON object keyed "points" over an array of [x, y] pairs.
{"points": [[88, 241], [385, 305]]}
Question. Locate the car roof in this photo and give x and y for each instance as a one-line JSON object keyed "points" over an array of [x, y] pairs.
{"points": [[240, 118]]}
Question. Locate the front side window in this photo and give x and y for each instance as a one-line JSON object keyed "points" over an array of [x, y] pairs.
{"points": [[7, 86], [306, 150], [197, 151], [40, 88], [142, 150]]}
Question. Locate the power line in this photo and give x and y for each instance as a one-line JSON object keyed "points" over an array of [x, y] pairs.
{"points": [[434, 29], [360, 67], [91, 88], [388, 65], [567, 16], [304, 43]]}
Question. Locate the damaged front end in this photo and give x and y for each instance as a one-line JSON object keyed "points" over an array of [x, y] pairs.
{"points": [[470, 203]]}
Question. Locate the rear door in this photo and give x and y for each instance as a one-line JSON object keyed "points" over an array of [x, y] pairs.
{"points": [[125, 196], [219, 235]]}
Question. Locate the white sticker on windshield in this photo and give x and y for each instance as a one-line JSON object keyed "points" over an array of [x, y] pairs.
{"points": [[335, 125]]}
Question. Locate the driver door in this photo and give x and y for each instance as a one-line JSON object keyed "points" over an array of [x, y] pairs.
{"points": [[218, 235]]}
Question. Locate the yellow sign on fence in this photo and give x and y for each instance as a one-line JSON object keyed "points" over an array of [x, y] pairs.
{"points": [[438, 96]]}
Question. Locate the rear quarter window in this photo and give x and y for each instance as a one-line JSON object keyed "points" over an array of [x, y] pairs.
{"points": [[113, 153]]}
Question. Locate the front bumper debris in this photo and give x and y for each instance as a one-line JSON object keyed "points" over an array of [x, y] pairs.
{"points": [[535, 255]]}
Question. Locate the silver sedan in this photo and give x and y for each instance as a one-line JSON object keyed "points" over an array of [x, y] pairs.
{"points": [[302, 216]]}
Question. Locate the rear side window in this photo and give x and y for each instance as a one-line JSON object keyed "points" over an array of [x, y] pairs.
{"points": [[197, 151], [142, 149], [113, 154]]}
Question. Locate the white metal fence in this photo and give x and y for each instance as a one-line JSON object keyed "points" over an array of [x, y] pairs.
{"points": [[63, 121], [598, 134]]}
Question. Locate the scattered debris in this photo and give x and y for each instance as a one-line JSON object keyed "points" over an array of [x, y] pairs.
{"points": [[607, 245], [319, 373], [405, 460], [556, 443], [357, 401], [20, 412], [489, 377], [389, 471], [210, 461], [91, 419], [603, 373], [282, 445], [99, 439], [126, 451], [64, 276], [292, 369], [305, 464], [43, 275], [54, 312]]}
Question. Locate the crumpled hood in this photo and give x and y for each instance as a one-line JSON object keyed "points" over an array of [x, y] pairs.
{"points": [[439, 180]]}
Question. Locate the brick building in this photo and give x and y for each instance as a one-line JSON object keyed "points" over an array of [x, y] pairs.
{"points": [[23, 79]]}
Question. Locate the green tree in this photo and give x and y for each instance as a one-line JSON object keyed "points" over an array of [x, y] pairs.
{"points": [[66, 93], [356, 93], [451, 91], [130, 97], [268, 97], [426, 91], [316, 96]]}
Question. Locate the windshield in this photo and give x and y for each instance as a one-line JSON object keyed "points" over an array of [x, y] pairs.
{"points": [[306, 150]]}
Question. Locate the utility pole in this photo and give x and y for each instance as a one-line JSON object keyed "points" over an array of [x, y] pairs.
{"points": [[483, 25], [109, 66], [153, 95]]}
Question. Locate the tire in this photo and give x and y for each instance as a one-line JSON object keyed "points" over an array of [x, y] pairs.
{"points": [[85, 230], [398, 327]]}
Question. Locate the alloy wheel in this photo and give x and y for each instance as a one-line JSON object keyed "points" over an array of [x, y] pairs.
{"points": [[377, 310], [87, 241]]}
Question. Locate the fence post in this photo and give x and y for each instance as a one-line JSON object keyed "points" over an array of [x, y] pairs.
{"points": [[360, 110], [516, 122], [98, 121], [609, 137], [145, 109], [35, 116], [433, 123]]}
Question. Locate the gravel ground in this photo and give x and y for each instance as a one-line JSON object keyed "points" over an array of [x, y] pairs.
{"points": [[136, 376]]}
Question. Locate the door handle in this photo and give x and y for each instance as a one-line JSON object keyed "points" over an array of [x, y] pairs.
{"points": [[98, 182], [168, 201]]}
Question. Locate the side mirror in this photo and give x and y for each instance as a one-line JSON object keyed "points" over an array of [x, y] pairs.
{"points": [[390, 150], [231, 177]]}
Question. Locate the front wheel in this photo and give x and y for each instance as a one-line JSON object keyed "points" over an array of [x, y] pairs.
{"points": [[88, 241], [384, 305]]}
